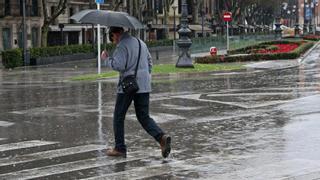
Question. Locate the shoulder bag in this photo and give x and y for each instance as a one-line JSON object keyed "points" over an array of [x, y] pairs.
{"points": [[129, 83]]}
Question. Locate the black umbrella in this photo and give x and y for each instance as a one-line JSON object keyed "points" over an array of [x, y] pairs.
{"points": [[107, 18]]}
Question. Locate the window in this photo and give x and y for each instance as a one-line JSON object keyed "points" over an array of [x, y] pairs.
{"points": [[35, 36], [149, 4], [52, 10], [6, 38], [20, 39], [21, 7], [71, 12], [20, 36], [189, 6], [34, 8], [7, 8], [159, 6]]}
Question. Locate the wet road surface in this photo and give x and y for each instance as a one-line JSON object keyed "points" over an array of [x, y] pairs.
{"points": [[254, 124]]}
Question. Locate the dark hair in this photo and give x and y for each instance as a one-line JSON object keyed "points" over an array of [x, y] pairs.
{"points": [[110, 36], [114, 29]]}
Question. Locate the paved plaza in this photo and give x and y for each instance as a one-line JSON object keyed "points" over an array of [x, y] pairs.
{"points": [[258, 123]]}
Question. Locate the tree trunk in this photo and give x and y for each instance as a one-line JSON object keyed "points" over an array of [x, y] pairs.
{"points": [[62, 5], [195, 11], [116, 4], [44, 35], [165, 19], [166, 9]]}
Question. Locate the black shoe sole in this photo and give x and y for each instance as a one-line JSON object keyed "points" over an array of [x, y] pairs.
{"points": [[167, 148]]}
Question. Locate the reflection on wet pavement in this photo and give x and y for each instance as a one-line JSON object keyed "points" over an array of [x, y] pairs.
{"points": [[237, 125]]}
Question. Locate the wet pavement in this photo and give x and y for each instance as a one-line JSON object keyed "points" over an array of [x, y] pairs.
{"points": [[261, 123]]}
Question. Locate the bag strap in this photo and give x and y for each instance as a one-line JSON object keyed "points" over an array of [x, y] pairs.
{"points": [[135, 72]]}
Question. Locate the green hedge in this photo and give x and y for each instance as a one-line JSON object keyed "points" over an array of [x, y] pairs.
{"points": [[256, 57], [312, 37], [164, 42], [59, 50], [12, 58]]}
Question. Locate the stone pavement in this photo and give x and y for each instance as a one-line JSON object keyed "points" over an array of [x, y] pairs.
{"points": [[255, 124]]}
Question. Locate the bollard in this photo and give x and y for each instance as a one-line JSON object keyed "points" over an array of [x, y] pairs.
{"points": [[157, 55]]}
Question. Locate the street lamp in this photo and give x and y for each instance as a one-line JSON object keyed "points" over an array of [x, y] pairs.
{"points": [[278, 29], [296, 26], [174, 7], [316, 14], [26, 58], [61, 26], [311, 29], [202, 22], [305, 21], [184, 41], [157, 11]]}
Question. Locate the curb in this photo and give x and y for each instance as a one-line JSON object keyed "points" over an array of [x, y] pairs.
{"points": [[301, 59]]}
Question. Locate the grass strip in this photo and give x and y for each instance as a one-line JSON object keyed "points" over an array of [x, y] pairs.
{"points": [[166, 69]]}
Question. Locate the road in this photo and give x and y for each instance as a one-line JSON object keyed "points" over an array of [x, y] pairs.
{"points": [[260, 123]]}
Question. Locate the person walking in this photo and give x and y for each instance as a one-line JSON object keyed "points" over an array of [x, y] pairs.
{"points": [[124, 59]]}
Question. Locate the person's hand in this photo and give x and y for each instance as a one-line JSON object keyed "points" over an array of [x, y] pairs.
{"points": [[104, 55]]}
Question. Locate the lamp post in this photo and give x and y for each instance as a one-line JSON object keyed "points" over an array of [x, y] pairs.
{"points": [[26, 59], [61, 26], [174, 7], [202, 22], [296, 26], [311, 27], [305, 21], [316, 14], [278, 29], [184, 41]]}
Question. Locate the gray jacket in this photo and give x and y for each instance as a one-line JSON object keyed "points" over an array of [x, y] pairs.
{"points": [[126, 52]]}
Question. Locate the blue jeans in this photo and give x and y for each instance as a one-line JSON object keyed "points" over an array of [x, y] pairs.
{"points": [[141, 105]]}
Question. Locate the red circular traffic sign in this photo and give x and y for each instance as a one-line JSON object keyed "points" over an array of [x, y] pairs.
{"points": [[213, 51], [227, 16]]}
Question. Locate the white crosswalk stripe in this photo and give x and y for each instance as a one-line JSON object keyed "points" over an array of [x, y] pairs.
{"points": [[158, 169], [25, 166], [49, 154], [5, 124], [24, 144], [69, 167]]}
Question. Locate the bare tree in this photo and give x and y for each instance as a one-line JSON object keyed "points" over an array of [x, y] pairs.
{"points": [[166, 7], [49, 19], [197, 6], [251, 11], [115, 4]]}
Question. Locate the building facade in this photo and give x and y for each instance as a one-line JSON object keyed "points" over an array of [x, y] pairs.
{"points": [[64, 31], [11, 23]]}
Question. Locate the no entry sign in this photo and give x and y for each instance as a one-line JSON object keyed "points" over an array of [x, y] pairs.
{"points": [[227, 16]]}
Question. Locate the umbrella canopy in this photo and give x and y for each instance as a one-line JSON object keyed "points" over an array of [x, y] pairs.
{"points": [[107, 18]]}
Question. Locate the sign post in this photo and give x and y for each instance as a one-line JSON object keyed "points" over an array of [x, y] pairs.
{"points": [[227, 17], [98, 2]]}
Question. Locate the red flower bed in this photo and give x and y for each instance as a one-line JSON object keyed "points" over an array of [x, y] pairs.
{"points": [[282, 48]]}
